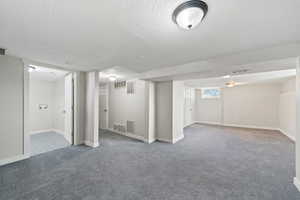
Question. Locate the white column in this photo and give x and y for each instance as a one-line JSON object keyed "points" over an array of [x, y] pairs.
{"points": [[92, 109], [297, 178]]}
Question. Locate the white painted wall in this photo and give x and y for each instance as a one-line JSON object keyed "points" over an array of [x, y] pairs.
{"points": [[52, 94], [150, 99], [163, 111], [92, 109], [132, 107], [208, 110], [59, 105], [254, 105], [11, 109], [287, 108], [178, 110], [297, 178], [169, 111], [79, 107], [41, 92]]}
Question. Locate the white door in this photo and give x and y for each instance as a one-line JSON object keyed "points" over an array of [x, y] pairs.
{"points": [[188, 106], [103, 106], [69, 108]]}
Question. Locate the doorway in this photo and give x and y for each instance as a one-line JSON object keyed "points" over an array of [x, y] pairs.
{"points": [[51, 117]]}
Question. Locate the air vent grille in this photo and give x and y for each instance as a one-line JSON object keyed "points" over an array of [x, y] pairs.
{"points": [[130, 88], [240, 71], [119, 128], [2, 51], [130, 126]]}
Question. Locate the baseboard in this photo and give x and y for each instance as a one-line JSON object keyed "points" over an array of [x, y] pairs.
{"points": [[297, 183], [47, 130], [177, 139], [165, 140], [238, 125], [13, 159], [59, 131], [207, 122], [250, 126], [91, 144], [151, 140], [288, 135], [189, 124], [40, 131], [130, 135]]}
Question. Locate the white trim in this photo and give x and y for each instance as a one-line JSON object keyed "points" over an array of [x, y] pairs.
{"points": [[13, 159], [207, 122], [91, 144], [238, 125], [59, 131], [297, 183], [252, 127], [151, 140], [164, 140], [138, 137], [177, 139], [288, 135], [189, 124], [40, 131], [47, 130]]}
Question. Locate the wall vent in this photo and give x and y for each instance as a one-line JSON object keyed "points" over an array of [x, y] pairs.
{"points": [[130, 126], [130, 87], [240, 71], [2, 52], [119, 128], [120, 84]]}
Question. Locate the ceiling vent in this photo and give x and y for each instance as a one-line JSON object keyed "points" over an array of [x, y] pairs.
{"points": [[2, 52], [240, 71]]}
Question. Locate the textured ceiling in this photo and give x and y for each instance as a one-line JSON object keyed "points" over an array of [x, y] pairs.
{"points": [[47, 74], [274, 76], [139, 34]]}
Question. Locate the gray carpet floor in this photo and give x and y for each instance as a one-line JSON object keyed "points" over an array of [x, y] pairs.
{"points": [[45, 142], [210, 163]]}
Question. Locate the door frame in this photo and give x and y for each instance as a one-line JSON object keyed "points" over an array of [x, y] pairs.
{"points": [[26, 122], [107, 87]]}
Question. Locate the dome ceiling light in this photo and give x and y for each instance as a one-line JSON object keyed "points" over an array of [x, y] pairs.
{"points": [[189, 14]]}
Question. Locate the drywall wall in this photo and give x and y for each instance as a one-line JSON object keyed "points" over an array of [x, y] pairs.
{"points": [[92, 109], [178, 110], [41, 92], [51, 94], [11, 108], [169, 112], [150, 97], [59, 105], [297, 178], [287, 108], [163, 111], [208, 110], [254, 105], [131, 107], [79, 107]]}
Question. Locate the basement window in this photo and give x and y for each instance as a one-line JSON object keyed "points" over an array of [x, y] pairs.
{"points": [[210, 93]]}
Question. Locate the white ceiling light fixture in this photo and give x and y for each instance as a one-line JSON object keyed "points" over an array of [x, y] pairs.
{"points": [[112, 78], [189, 14], [227, 76], [31, 68], [231, 83]]}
